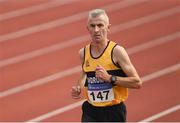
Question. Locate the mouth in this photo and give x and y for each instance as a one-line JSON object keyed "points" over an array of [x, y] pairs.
{"points": [[96, 35]]}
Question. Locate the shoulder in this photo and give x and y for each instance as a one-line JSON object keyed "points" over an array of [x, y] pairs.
{"points": [[81, 53], [83, 50], [119, 50], [120, 55]]}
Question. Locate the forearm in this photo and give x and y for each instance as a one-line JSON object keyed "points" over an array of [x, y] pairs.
{"points": [[82, 79], [129, 82], [76, 90]]}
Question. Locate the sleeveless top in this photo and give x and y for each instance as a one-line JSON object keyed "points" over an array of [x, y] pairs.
{"points": [[97, 92]]}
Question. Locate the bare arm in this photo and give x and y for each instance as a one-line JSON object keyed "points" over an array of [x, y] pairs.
{"points": [[83, 74], [133, 80], [76, 90], [121, 58]]}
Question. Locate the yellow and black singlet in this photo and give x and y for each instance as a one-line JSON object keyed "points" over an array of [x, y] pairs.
{"points": [[98, 92]]}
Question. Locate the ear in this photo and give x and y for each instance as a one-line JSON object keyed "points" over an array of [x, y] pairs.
{"points": [[87, 27], [109, 27]]}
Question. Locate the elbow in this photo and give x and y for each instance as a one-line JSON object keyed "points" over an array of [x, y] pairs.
{"points": [[138, 84]]}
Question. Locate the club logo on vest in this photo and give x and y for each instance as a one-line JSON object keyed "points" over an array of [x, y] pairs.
{"points": [[87, 63]]}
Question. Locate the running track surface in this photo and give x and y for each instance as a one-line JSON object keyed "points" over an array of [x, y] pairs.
{"points": [[39, 62]]}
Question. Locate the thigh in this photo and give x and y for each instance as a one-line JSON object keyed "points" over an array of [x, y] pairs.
{"points": [[120, 113], [87, 113], [87, 118], [116, 113]]}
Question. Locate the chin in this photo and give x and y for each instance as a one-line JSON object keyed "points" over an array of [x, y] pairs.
{"points": [[97, 40]]}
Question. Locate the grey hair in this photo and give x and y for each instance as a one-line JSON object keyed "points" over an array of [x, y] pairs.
{"points": [[97, 12]]}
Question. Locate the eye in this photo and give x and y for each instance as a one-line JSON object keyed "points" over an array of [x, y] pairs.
{"points": [[100, 25], [92, 25]]}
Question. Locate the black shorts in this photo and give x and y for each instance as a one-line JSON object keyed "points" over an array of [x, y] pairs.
{"points": [[115, 113]]}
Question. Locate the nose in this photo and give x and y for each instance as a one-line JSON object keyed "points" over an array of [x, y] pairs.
{"points": [[96, 28]]}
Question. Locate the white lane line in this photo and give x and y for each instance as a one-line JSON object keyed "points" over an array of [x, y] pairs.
{"points": [[2, 0], [76, 69], [146, 78], [43, 51], [65, 20], [33, 9], [41, 81], [161, 114], [58, 111], [154, 42], [75, 41], [147, 19]]}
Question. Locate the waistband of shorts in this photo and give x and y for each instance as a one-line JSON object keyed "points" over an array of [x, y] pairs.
{"points": [[99, 107]]}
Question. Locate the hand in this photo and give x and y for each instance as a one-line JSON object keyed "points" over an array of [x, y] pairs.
{"points": [[75, 92], [102, 74]]}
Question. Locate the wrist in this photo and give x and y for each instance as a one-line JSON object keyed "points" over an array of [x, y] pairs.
{"points": [[109, 78], [113, 79]]}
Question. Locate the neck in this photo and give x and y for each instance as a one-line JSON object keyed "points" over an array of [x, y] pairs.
{"points": [[98, 47]]}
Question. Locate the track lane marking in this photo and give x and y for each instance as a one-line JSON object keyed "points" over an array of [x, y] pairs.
{"points": [[65, 20], [145, 78], [77, 40], [2, 0], [161, 114], [61, 74], [34, 8]]}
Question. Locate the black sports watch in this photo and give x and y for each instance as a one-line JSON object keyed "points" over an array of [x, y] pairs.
{"points": [[113, 79]]}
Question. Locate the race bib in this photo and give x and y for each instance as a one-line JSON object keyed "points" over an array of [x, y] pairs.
{"points": [[101, 92]]}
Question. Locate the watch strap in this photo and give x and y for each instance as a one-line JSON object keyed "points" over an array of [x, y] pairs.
{"points": [[113, 79]]}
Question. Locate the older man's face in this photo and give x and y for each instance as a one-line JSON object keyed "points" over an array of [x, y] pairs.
{"points": [[98, 28]]}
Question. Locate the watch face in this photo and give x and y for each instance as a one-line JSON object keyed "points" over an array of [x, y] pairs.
{"points": [[113, 78]]}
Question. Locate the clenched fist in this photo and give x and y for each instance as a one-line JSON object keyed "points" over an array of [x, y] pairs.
{"points": [[75, 92], [102, 74]]}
